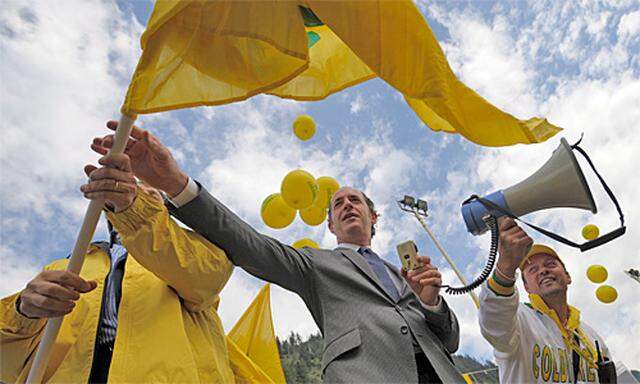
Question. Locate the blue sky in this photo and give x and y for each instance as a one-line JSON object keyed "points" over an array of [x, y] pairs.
{"points": [[64, 70]]}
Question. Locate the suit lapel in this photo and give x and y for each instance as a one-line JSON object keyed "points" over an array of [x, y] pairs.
{"points": [[364, 267]]}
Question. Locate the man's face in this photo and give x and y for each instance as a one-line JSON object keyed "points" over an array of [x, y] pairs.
{"points": [[544, 275], [351, 218]]}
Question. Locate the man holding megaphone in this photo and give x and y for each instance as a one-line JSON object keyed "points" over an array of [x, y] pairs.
{"points": [[542, 341]]}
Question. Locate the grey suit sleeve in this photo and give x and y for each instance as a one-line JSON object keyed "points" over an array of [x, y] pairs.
{"points": [[260, 255], [444, 325]]}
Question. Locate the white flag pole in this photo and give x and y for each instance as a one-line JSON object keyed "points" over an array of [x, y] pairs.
{"points": [[444, 253], [85, 235]]}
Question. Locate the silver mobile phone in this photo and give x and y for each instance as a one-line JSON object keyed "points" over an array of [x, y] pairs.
{"points": [[408, 253]]}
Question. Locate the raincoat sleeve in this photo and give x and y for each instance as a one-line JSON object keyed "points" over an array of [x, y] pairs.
{"points": [[498, 316], [196, 269], [260, 255], [19, 337]]}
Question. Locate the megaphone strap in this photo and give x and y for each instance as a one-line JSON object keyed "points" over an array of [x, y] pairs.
{"points": [[583, 247], [604, 184]]}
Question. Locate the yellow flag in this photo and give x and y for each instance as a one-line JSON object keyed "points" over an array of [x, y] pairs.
{"points": [[253, 350], [202, 52]]}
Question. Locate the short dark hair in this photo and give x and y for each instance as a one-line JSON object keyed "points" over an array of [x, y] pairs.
{"points": [[370, 204]]}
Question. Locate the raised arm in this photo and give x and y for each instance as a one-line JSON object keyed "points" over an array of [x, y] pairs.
{"points": [[499, 299], [260, 255], [195, 268]]}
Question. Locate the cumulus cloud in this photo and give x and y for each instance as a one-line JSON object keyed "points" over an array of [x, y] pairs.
{"points": [[629, 25], [64, 72]]}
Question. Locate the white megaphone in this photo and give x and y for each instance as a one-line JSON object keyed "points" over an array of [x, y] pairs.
{"points": [[558, 183]]}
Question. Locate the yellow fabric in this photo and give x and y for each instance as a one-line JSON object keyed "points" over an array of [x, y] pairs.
{"points": [[159, 338], [254, 337], [207, 53], [244, 369], [332, 68], [568, 330]]}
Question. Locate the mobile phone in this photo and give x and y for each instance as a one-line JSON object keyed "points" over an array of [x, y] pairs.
{"points": [[408, 253]]}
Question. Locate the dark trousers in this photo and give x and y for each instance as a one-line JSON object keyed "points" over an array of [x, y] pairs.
{"points": [[426, 373]]}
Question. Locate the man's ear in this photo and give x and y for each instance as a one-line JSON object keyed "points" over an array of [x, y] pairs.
{"points": [[568, 277], [330, 226], [374, 218]]}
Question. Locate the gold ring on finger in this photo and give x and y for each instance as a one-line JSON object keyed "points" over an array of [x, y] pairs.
{"points": [[116, 186]]}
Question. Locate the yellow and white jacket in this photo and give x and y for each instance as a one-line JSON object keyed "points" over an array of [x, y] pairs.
{"points": [[529, 345], [168, 329]]}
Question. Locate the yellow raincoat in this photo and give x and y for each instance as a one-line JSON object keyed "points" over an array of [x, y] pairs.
{"points": [[168, 328]]}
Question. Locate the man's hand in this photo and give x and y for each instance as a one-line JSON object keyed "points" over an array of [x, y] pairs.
{"points": [[424, 281], [150, 160], [114, 182], [513, 246], [53, 294]]}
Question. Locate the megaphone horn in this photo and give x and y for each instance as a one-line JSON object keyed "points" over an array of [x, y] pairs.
{"points": [[558, 183]]}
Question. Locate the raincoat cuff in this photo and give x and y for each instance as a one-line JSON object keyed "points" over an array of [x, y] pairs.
{"points": [[140, 213], [16, 322]]}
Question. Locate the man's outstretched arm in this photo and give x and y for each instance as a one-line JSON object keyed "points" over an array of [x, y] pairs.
{"points": [[260, 255]]}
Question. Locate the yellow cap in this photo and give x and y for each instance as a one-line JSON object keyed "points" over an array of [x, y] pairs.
{"points": [[538, 249]]}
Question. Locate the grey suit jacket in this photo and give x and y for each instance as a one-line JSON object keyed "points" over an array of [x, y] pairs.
{"points": [[368, 338]]}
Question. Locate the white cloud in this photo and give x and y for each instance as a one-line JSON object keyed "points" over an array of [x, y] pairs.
{"points": [[59, 86], [629, 25], [357, 104], [575, 62]]}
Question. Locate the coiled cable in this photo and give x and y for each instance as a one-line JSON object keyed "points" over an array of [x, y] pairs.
{"points": [[492, 223]]}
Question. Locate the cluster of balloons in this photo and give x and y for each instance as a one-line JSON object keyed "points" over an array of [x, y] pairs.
{"points": [[300, 192], [597, 273]]}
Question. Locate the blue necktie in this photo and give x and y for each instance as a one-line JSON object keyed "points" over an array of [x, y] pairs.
{"points": [[378, 267]]}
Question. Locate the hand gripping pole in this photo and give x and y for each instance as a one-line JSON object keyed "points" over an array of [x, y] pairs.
{"points": [[85, 235]]}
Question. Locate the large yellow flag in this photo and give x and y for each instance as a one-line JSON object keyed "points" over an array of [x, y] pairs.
{"points": [[253, 350], [203, 52]]}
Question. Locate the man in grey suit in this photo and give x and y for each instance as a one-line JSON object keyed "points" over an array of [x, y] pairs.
{"points": [[379, 325]]}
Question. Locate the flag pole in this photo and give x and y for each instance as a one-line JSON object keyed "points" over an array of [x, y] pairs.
{"points": [[444, 253], [91, 217]]}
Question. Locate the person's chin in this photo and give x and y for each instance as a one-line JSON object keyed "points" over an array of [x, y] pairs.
{"points": [[553, 289]]}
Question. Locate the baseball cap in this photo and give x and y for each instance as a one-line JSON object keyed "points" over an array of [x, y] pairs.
{"points": [[537, 249]]}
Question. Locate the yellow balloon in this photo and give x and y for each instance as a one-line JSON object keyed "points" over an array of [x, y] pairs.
{"points": [[327, 186], [597, 273], [299, 189], [304, 127], [305, 242], [607, 294], [590, 231], [313, 215], [275, 212]]}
